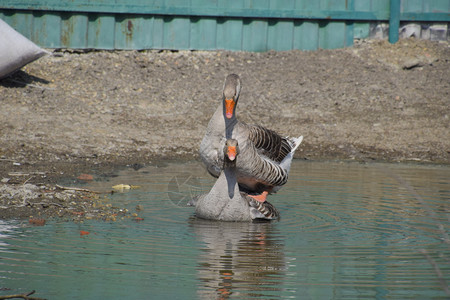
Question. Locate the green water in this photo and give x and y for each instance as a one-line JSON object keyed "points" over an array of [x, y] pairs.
{"points": [[347, 231]]}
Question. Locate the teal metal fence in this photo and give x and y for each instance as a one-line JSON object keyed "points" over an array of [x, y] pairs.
{"points": [[248, 25]]}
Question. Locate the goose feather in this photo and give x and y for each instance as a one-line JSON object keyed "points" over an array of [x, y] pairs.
{"points": [[225, 201], [265, 155]]}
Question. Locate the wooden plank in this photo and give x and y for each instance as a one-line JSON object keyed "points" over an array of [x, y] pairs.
{"points": [[361, 30], [349, 34], [158, 32], [74, 30], [255, 5], [307, 5], [380, 5], [280, 35], [124, 32], [176, 33], [441, 6], [281, 4], [204, 3], [229, 9], [363, 5], [333, 4], [133, 32], [255, 35], [411, 6], [226, 4], [26, 23], [143, 37], [304, 9], [22, 23], [229, 34], [394, 20], [101, 29], [331, 35], [306, 35], [349, 24], [176, 3], [425, 17], [46, 29], [203, 33]]}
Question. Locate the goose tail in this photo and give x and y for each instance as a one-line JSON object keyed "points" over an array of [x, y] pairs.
{"points": [[263, 210], [286, 162], [296, 142]]}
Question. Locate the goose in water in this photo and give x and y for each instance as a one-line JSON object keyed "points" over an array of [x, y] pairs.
{"points": [[225, 202], [265, 158]]}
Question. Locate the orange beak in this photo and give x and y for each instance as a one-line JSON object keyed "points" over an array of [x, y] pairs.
{"points": [[229, 107], [232, 152]]}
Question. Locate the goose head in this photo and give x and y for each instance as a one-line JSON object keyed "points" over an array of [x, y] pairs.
{"points": [[231, 90], [231, 150]]}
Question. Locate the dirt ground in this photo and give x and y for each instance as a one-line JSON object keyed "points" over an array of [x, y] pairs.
{"points": [[88, 112]]}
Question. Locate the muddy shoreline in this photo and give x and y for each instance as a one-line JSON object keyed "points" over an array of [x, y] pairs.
{"points": [[79, 112]]}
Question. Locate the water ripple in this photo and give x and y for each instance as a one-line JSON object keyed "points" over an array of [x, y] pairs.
{"points": [[347, 231]]}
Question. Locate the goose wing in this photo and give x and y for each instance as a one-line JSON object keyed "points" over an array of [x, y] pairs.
{"points": [[257, 172], [269, 143]]}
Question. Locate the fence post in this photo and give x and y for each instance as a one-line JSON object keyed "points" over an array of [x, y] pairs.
{"points": [[394, 21]]}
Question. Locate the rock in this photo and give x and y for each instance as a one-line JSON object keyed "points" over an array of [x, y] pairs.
{"points": [[412, 63]]}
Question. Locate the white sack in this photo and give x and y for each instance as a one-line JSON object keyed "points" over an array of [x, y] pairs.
{"points": [[16, 50]]}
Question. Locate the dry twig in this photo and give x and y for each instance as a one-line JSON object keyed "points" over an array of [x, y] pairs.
{"points": [[45, 203], [22, 296], [76, 189], [27, 180]]}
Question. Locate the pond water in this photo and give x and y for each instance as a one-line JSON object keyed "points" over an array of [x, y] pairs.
{"points": [[347, 231]]}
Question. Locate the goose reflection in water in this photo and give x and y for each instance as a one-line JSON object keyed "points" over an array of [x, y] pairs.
{"points": [[238, 259]]}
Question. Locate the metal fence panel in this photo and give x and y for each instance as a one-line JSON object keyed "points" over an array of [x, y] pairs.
{"points": [[248, 25]]}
